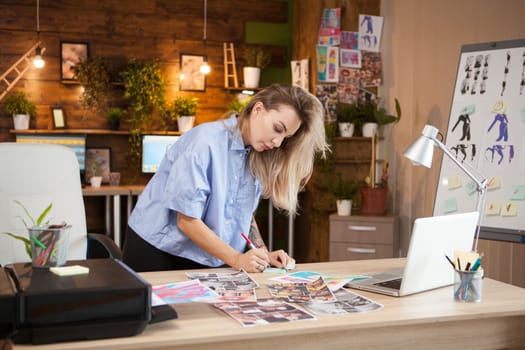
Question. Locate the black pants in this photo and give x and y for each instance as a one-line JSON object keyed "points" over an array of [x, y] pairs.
{"points": [[142, 256]]}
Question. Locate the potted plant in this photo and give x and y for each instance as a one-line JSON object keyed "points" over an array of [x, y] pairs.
{"points": [[144, 88], [374, 194], [18, 105], [373, 117], [93, 74], [344, 192], [184, 109], [347, 116], [114, 115], [255, 59]]}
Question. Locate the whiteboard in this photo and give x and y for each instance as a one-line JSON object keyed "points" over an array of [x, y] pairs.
{"points": [[486, 132]]}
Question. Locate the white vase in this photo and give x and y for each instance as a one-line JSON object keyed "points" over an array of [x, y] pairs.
{"points": [[252, 76], [95, 181], [344, 207], [369, 129], [346, 129], [21, 121], [185, 122]]}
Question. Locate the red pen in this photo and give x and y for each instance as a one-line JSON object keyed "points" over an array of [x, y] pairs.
{"points": [[250, 243]]}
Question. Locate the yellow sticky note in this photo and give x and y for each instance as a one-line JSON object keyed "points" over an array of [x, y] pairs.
{"points": [[494, 183], [509, 209], [454, 182], [493, 208], [70, 270]]}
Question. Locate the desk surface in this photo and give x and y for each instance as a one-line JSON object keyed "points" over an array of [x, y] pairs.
{"points": [[105, 190], [429, 320]]}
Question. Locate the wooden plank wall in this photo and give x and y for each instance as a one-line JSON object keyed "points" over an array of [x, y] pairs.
{"points": [[120, 30], [143, 29], [312, 226]]}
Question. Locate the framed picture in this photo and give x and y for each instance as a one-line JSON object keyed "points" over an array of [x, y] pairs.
{"points": [[98, 163], [59, 120], [191, 78], [70, 54]]}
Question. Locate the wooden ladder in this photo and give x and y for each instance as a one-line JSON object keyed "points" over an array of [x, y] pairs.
{"points": [[230, 70], [19, 69]]}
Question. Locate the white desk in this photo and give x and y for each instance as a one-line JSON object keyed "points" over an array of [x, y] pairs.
{"points": [[430, 320]]}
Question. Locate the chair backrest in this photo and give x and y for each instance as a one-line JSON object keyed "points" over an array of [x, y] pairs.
{"points": [[36, 175]]}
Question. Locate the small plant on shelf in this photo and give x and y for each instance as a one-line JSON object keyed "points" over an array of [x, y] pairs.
{"points": [[344, 189], [256, 56], [18, 103], [114, 116]]}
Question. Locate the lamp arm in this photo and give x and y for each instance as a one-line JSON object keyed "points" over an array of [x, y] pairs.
{"points": [[481, 188]]}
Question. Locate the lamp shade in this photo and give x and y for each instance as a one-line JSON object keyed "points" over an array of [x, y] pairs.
{"points": [[422, 150]]}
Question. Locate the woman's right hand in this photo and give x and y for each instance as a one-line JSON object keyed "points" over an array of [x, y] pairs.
{"points": [[254, 260]]}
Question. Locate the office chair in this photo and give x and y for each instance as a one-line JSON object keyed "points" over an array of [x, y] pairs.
{"points": [[36, 175]]}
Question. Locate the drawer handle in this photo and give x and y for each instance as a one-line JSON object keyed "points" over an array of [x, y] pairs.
{"points": [[362, 250], [362, 228]]}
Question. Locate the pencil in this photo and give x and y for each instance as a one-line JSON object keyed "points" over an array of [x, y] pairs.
{"points": [[450, 261]]}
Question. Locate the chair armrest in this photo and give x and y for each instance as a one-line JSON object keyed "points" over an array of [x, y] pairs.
{"points": [[107, 244]]}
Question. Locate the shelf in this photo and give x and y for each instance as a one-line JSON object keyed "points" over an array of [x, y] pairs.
{"points": [[89, 132]]}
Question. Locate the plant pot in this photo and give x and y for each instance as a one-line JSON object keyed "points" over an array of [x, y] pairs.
{"points": [[373, 201], [252, 75], [114, 124], [21, 121], [344, 207], [369, 129], [346, 129], [185, 122], [95, 181]]}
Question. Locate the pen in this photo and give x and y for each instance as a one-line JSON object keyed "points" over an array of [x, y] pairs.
{"points": [[450, 261], [468, 266], [476, 264], [459, 264], [250, 243]]}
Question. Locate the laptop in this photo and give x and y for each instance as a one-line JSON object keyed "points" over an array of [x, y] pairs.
{"points": [[426, 267]]}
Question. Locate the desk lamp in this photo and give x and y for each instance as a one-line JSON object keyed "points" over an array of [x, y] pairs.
{"points": [[421, 152]]}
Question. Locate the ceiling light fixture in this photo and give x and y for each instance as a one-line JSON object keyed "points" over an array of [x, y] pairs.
{"points": [[205, 68], [38, 62]]}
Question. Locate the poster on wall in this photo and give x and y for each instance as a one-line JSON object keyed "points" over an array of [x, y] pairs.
{"points": [[485, 133], [327, 63], [349, 40], [300, 73], [370, 32], [329, 30]]}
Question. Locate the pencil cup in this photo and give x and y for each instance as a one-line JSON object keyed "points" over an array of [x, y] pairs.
{"points": [[468, 286], [49, 245]]}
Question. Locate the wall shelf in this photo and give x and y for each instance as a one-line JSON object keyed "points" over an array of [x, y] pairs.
{"points": [[89, 132]]}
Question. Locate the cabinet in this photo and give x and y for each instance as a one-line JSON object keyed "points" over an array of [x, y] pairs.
{"points": [[503, 261], [363, 237]]}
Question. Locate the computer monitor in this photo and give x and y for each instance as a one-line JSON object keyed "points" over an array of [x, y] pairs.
{"points": [[154, 147], [77, 142]]}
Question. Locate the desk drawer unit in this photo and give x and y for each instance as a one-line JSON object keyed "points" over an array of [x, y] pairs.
{"points": [[363, 237]]}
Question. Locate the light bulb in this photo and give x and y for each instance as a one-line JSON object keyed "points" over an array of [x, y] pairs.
{"points": [[205, 69], [38, 62]]}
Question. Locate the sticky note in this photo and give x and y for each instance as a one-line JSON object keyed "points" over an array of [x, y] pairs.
{"points": [[494, 183], [70, 270], [471, 187], [454, 182], [518, 192], [450, 206], [509, 209], [493, 208]]}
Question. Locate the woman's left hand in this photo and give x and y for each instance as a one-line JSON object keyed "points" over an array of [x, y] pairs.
{"points": [[279, 258]]}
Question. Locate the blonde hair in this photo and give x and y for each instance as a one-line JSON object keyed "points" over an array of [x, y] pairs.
{"points": [[285, 170]]}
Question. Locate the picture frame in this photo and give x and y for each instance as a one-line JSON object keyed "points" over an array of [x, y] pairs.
{"points": [[71, 53], [59, 118], [98, 163], [191, 78]]}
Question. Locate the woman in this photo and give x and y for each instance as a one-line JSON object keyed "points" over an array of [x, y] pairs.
{"points": [[194, 209]]}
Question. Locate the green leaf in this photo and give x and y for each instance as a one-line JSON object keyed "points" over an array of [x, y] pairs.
{"points": [[26, 212], [44, 214], [24, 240]]}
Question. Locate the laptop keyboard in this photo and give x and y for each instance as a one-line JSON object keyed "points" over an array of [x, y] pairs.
{"points": [[393, 284]]}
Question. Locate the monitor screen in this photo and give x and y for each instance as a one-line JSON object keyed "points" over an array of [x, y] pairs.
{"points": [[76, 142], [154, 147]]}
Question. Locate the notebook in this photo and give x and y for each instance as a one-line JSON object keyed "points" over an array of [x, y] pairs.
{"points": [[426, 266]]}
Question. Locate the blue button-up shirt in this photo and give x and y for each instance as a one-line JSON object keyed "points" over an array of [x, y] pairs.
{"points": [[203, 175]]}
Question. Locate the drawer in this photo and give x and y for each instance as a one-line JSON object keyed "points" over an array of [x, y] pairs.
{"points": [[356, 251], [370, 232]]}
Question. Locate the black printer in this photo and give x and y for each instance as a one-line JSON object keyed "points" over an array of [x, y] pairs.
{"points": [[41, 307]]}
